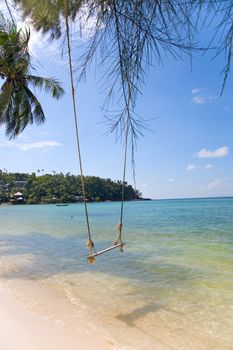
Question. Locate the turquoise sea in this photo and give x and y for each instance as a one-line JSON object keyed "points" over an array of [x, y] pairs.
{"points": [[173, 283]]}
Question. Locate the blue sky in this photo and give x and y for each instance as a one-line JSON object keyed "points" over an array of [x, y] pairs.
{"points": [[189, 154]]}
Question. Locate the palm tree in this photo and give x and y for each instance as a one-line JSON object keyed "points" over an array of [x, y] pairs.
{"points": [[18, 104]]}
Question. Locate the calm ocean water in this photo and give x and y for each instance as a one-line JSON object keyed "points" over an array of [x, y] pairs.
{"points": [[174, 282]]}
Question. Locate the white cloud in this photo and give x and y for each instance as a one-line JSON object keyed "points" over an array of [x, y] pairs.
{"points": [[218, 153], [22, 137], [220, 186], [191, 167], [6, 144], [208, 166], [36, 145], [171, 180], [43, 145], [201, 96], [215, 184], [197, 90], [199, 100]]}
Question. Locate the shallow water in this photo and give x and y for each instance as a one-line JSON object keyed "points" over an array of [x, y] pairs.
{"points": [[173, 283]]}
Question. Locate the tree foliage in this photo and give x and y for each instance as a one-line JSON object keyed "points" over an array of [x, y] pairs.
{"points": [[53, 188], [18, 104]]}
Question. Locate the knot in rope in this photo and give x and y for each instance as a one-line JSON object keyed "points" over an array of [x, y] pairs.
{"points": [[119, 238]]}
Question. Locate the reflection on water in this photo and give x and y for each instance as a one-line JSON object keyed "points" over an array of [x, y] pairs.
{"points": [[173, 283]]}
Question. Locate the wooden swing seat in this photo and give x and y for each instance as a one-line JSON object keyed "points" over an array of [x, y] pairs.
{"points": [[107, 250]]}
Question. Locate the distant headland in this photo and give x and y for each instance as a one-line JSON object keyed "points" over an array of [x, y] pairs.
{"points": [[39, 188]]}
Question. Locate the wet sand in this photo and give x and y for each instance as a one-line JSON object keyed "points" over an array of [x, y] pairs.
{"points": [[24, 330]]}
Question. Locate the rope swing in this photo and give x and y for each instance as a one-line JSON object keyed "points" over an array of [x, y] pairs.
{"points": [[91, 258]]}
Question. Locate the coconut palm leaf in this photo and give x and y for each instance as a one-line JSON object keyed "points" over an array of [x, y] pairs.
{"points": [[36, 109], [47, 15], [5, 96], [50, 85], [18, 114], [18, 105]]}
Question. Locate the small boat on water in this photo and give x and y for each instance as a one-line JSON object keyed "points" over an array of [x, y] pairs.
{"points": [[62, 205]]}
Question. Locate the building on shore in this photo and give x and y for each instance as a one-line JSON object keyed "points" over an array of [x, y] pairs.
{"points": [[17, 198]]}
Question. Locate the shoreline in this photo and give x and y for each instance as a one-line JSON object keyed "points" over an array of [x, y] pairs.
{"points": [[23, 330], [27, 326], [37, 316], [69, 203]]}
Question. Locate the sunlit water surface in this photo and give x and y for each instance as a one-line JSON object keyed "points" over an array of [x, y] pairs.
{"points": [[173, 283]]}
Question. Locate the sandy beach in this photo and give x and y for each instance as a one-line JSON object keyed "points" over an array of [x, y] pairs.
{"points": [[23, 330], [50, 322]]}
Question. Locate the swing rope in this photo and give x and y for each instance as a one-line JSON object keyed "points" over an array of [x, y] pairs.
{"points": [[90, 243], [120, 225]]}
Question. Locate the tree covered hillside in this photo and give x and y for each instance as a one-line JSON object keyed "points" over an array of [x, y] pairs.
{"points": [[54, 188]]}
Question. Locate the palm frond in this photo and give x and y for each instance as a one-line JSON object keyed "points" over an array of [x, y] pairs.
{"points": [[45, 15], [5, 96], [19, 114], [50, 85], [18, 105], [3, 37], [36, 109]]}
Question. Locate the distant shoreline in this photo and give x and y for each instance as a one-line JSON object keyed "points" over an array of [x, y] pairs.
{"points": [[190, 198], [20, 188], [78, 202], [118, 201]]}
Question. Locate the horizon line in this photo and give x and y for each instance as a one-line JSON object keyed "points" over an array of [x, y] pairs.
{"points": [[185, 198]]}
